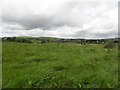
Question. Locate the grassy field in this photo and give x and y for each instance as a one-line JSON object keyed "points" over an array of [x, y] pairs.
{"points": [[0, 64], [59, 66]]}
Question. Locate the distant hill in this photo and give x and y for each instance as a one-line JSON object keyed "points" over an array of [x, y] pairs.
{"points": [[57, 40]]}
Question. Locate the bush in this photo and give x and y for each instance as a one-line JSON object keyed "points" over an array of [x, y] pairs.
{"points": [[43, 41], [109, 45]]}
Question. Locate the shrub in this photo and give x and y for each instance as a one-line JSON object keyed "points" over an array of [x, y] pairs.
{"points": [[43, 41], [109, 45]]}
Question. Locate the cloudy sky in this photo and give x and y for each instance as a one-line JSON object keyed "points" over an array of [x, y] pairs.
{"points": [[59, 18]]}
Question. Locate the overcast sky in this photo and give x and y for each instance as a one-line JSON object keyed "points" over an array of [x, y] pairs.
{"points": [[60, 18]]}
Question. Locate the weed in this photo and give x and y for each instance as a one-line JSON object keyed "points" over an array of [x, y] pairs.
{"points": [[59, 68]]}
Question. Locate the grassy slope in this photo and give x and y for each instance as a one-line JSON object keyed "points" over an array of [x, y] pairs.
{"points": [[58, 65]]}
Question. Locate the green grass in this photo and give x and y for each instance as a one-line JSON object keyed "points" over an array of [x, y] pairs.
{"points": [[0, 64], [59, 66]]}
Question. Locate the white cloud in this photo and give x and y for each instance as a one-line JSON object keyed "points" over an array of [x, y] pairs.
{"points": [[60, 18]]}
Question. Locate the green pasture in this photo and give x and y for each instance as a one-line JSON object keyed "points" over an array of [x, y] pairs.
{"points": [[28, 65]]}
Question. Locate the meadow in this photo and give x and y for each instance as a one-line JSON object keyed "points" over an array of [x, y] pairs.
{"points": [[28, 65], [0, 64]]}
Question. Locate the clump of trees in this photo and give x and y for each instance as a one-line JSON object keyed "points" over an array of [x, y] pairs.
{"points": [[22, 40], [83, 42], [43, 41], [109, 45], [14, 39]]}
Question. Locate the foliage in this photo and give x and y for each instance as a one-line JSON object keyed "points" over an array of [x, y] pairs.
{"points": [[109, 45]]}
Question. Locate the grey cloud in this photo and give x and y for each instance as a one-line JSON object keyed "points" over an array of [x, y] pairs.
{"points": [[60, 18], [80, 34], [84, 34], [106, 35], [70, 14], [32, 22]]}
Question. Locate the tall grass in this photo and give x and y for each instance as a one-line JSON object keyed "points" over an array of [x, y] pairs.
{"points": [[59, 66], [0, 64]]}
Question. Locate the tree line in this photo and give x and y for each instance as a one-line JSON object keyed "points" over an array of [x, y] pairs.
{"points": [[79, 41]]}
